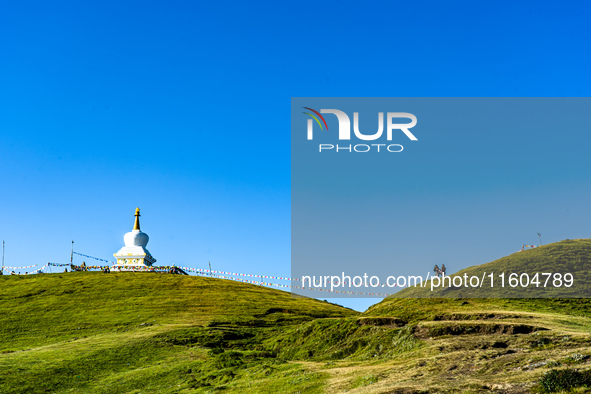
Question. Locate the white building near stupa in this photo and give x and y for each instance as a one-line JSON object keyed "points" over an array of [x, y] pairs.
{"points": [[134, 256]]}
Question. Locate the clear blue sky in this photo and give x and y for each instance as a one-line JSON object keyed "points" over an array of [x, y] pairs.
{"points": [[183, 109]]}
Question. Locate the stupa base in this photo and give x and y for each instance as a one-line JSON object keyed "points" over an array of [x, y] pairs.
{"points": [[131, 267]]}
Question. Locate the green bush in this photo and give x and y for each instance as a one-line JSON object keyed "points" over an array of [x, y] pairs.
{"points": [[564, 379]]}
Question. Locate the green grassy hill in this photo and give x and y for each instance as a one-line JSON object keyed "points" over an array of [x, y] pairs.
{"points": [[570, 256], [132, 332], [498, 344], [159, 333]]}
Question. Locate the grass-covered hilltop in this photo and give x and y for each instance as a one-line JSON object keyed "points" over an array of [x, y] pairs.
{"points": [[565, 257], [90, 332]]}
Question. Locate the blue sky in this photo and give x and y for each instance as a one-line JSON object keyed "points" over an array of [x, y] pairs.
{"points": [[183, 109]]}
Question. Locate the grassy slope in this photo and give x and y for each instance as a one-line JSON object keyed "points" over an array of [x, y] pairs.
{"points": [[125, 332], [51, 307], [92, 332], [475, 344], [570, 256]]}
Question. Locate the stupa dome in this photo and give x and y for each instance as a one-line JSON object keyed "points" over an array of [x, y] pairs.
{"points": [[136, 238]]}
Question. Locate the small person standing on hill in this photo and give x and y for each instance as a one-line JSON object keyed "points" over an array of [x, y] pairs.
{"points": [[437, 270], [443, 269]]}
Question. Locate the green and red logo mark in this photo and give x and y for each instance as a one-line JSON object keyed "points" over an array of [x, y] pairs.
{"points": [[315, 118]]}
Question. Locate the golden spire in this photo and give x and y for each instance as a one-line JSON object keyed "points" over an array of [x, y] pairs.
{"points": [[136, 225]]}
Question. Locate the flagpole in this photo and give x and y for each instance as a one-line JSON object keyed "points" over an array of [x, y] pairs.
{"points": [[540, 237], [72, 255]]}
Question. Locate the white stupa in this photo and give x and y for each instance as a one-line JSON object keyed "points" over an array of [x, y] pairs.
{"points": [[134, 255]]}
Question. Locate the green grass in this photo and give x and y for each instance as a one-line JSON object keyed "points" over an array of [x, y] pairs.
{"points": [[66, 332], [158, 333], [569, 256], [561, 380], [42, 309], [412, 310], [331, 339]]}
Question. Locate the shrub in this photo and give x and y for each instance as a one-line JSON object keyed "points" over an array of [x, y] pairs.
{"points": [[564, 379]]}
